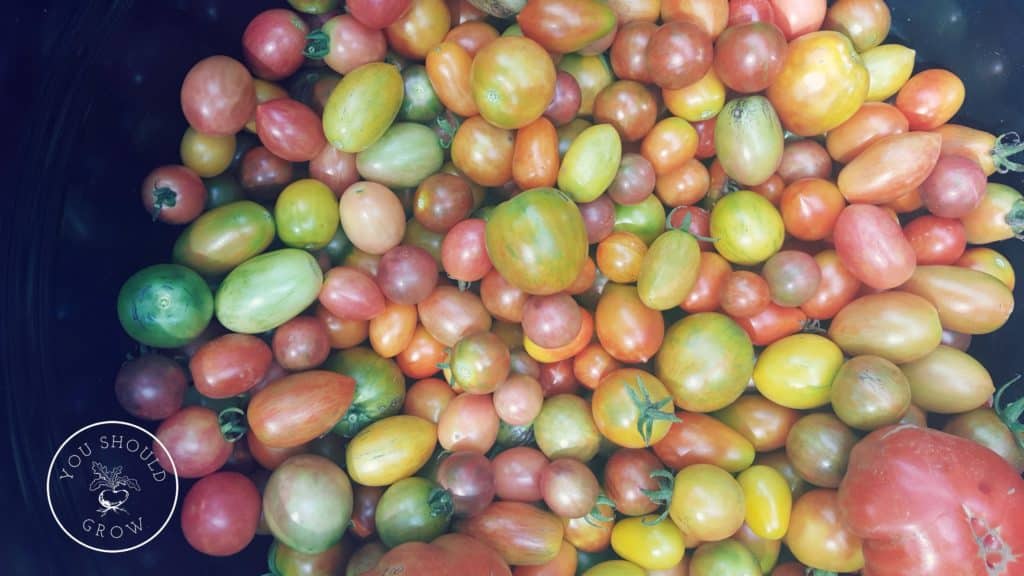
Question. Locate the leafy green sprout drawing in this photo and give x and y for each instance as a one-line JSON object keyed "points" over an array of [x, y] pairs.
{"points": [[113, 484]]}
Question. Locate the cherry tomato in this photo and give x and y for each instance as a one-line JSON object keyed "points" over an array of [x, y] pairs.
{"points": [[217, 96], [762, 422], [679, 54], [513, 81], [220, 513], [151, 387], [817, 536], [173, 194], [273, 43], [866, 22], [930, 98], [748, 57], [423, 26]]}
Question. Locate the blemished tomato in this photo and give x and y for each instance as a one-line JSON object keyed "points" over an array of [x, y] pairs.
{"points": [[651, 546], [707, 503], [749, 140], [220, 513], [307, 503], [990, 262], [390, 449], [632, 408], [870, 392], [746, 227], [818, 536], [700, 439], [898, 326], [768, 501], [822, 84]]}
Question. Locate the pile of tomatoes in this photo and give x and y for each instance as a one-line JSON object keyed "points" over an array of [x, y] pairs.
{"points": [[555, 287]]}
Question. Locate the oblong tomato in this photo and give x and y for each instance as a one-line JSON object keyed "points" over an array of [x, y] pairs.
{"points": [[513, 81], [483, 152], [898, 326], [968, 301], [522, 534], [266, 291], [948, 381], [669, 270], [1000, 216], [872, 246], [566, 26], [535, 160], [229, 365], [376, 90], [890, 167], [747, 228], [748, 140], [773, 323], [931, 98], [990, 262], [768, 501], [625, 326], [298, 408], [762, 422], [591, 163], [700, 439], [224, 237], [872, 122], [423, 26], [448, 67], [889, 67], [390, 449]]}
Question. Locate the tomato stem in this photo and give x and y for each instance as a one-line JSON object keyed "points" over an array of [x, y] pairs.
{"points": [[1011, 413], [684, 226], [448, 128], [1008, 144], [440, 502], [1015, 217], [662, 496], [232, 423], [163, 198], [318, 45], [650, 411], [595, 512]]}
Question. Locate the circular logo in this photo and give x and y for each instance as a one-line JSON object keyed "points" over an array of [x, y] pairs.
{"points": [[107, 490]]}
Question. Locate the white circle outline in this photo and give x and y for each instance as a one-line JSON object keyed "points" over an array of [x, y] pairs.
{"points": [[174, 472]]}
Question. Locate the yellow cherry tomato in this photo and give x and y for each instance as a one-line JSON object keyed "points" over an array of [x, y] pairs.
{"points": [[699, 101], [651, 546], [889, 67], [797, 371], [768, 501], [747, 228], [615, 568], [390, 449], [208, 155], [707, 502]]}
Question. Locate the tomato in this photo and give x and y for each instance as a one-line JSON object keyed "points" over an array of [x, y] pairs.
{"points": [[679, 53], [289, 129], [669, 270], [985, 427], [746, 227], [450, 314], [421, 28], [804, 159], [948, 381], [537, 241], [819, 538], [150, 387], [592, 74], [441, 201], [706, 362], [406, 275], [479, 363], [165, 305], [569, 488], [707, 502], [564, 564], [372, 217], [219, 514], [517, 474], [630, 107], [376, 89], [818, 446], [797, 371], [780, 463], [744, 11], [626, 328], [615, 568], [217, 96], [760, 421], [520, 533], [968, 301], [628, 54], [591, 163], [711, 277], [263, 175], [990, 262], [469, 422], [866, 22], [961, 502], [999, 216], [422, 103], [566, 25], [627, 473], [413, 510], [507, 96], [822, 83], [651, 546], [724, 557], [872, 122], [535, 160], [870, 392], [484, 152], [990, 153], [898, 326], [632, 408], [229, 365], [298, 408], [173, 194], [871, 245], [472, 35], [379, 388], [810, 208], [772, 324], [351, 294], [222, 190], [889, 67], [350, 43], [377, 14], [955, 187], [768, 501], [748, 57], [194, 442], [427, 399], [390, 449], [403, 157], [306, 214], [646, 219], [838, 287], [207, 155], [936, 240], [890, 167], [565, 428], [700, 101], [792, 277], [392, 330], [469, 478], [634, 181], [931, 98], [307, 503], [273, 43], [700, 439], [224, 237]]}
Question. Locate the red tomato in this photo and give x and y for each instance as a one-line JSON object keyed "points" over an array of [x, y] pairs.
{"points": [[773, 323], [273, 43], [838, 287], [301, 343], [469, 422], [706, 293], [629, 51], [352, 44], [748, 57], [745, 11], [299, 407], [804, 159], [798, 17], [472, 35], [377, 13], [218, 96], [936, 240], [872, 246], [890, 167], [351, 294], [872, 122], [174, 194], [628, 330], [421, 357], [931, 98], [679, 54], [521, 533], [194, 442], [229, 365], [290, 130], [220, 514], [948, 502]]}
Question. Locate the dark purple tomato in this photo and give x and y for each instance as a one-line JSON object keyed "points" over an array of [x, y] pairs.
{"points": [[218, 96], [464, 251], [629, 51], [150, 387], [263, 175], [566, 102], [273, 43], [407, 274], [194, 442], [220, 513], [792, 277], [378, 13], [954, 188], [501, 299], [301, 343], [599, 217], [173, 194], [804, 159], [449, 314], [749, 57], [441, 201], [630, 107], [679, 54], [469, 477], [364, 508], [626, 475], [552, 321], [634, 181], [290, 130]]}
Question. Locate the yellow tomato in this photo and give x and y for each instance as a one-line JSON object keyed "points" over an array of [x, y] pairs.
{"points": [[747, 228], [208, 155], [822, 84], [768, 501], [797, 371], [990, 262], [699, 101], [707, 502], [650, 546], [818, 537], [615, 568], [390, 449], [765, 551], [889, 67], [592, 73]]}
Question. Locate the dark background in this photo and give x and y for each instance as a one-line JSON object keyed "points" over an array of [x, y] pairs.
{"points": [[90, 105]]}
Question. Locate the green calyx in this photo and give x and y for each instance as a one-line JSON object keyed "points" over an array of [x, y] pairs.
{"points": [[232, 424], [1010, 413], [318, 45], [440, 503], [662, 496], [595, 515], [649, 410], [1007, 145], [163, 198]]}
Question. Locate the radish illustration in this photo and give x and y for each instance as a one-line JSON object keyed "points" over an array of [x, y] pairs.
{"points": [[112, 496]]}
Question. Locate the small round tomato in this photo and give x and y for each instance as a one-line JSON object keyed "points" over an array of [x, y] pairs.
{"points": [[707, 502], [810, 208], [173, 194], [768, 501], [931, 98], [625, 326], [762, 422], [307, 503], [565, 428], [218, 96], [797, 371], [724, 557], [817, 536], [632, 408], [936, 240], [870, 392], [866, 22], [208, 155], [746, 227], [744, 294], [513, 81], [652, 546], [819, 447], [679, 54], [423, 26], [889, 67], [220, 513], [749, 57], [999, 216]]}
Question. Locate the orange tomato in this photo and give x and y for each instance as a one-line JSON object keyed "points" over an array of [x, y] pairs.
{"points": [[837, 288], [683, 186], [620, 255], [592, 364], [342, 334], [874, 121], [448, 66], [810, 208], [931, 98], [535, 160], [483, 152], [391, 331], [669, 145], [711, 15], [420, 29], [706, 294], [472, 36], [513, 80], [421, 357]]}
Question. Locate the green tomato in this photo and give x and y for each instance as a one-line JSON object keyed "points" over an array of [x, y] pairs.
{"points": [[669, 270], [362, 106], [565, 428], [724, 557], [224, 237], [164, 306], [420, 103], [403, 157], [413, 510], [380, 388], [646, 219], [307, 214], [591, 163], [307, 503], [747, 228], [748, 140], [268, 291]]}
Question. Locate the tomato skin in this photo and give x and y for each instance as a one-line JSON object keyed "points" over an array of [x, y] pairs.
{"points": [[654, 547], [955, 187], [421, 28], [748, 140], [936, 240], [942, 481], [968, 301], [566, 26], [822, 83], [164, 305], [898, 326], [707, 503], [376, 89], [872, 122], [352, 43], [768, 501], [818, 536], [628, 53], [990, 262], [760, 421], [390, 449], [229, 365], [999, 216], [931, 98], [625, 326], [748, 229], [217, 96], [220, 512], [700, 439], [300, 407], [520, 533], [377, 14], [890, 167], [872, 246], [513, 81]]}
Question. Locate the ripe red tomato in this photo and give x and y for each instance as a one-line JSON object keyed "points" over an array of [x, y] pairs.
{"points": [[220, 514]]}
